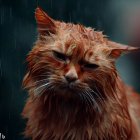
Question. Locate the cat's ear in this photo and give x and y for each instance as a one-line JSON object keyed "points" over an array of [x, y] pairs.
{"points": [[117, 49], [46, 24]]}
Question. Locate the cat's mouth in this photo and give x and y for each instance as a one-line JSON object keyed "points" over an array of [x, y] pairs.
{"points": [[66, 87], [69, 87], [68, 90]]}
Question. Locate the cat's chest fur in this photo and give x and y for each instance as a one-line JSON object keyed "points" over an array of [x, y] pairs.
{"points": [[58, 120]]}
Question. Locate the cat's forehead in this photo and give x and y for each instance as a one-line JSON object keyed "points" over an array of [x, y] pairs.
{"points": [[80, 32], [71, 37]]}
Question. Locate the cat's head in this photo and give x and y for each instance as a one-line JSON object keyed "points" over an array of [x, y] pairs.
{"points": [[70, 59]]}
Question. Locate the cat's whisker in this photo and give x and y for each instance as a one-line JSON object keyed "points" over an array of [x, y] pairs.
{"points": [[93, 101], [81, 97], [86, 100], [44, 66], [41, 91], [42, 87], [42, 75], [89, 98], [39, 76], [39, 82], [56, 79], [97, 94], [88, 91], [42, 81], [50, 88], [36, 67]]}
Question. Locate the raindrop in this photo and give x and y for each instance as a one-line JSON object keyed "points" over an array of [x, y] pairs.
{"points": [[15, 43], [11, 15], [70, 16], [0, 67], [9, 115], [2, 15], [51, 4]]}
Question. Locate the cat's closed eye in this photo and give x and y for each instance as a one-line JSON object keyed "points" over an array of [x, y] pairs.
{"points": [[60, 56], [90, 66]]}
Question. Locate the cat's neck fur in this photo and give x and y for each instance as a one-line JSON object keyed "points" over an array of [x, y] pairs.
{"points": [[68, 119]]}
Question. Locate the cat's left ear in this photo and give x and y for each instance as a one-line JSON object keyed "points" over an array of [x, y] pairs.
{"points": [[117, 49], [46, 24]]}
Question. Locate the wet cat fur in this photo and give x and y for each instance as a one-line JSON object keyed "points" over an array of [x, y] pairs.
{"points": [[97, 105]]}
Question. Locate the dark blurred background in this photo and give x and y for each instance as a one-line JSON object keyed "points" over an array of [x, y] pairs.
{"points": [[120, 20]]}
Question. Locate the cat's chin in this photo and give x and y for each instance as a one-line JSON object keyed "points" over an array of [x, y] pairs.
{"points": [[68, 91]]}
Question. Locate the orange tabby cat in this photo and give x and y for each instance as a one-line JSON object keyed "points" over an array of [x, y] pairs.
{"points": [[75, 92]]}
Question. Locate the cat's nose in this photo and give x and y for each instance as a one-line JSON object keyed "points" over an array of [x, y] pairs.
{"points": [[71, 78], [71, 75]]}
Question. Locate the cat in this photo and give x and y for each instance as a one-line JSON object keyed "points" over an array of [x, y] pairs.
{"points": [[75, 92]]}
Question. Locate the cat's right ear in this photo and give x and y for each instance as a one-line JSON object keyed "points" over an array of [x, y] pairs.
{"points": [[46, 25]]}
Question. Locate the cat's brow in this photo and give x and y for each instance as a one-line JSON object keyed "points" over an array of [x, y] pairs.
{"points": [[71, 49]]}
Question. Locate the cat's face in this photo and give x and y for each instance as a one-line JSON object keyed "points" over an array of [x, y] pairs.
{"points": [[70, 59]]}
